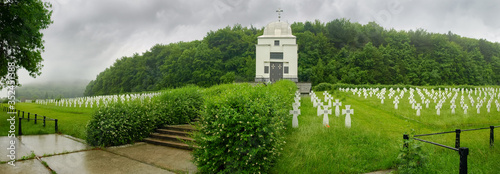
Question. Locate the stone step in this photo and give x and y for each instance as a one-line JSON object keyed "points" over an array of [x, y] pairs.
{"points": [[172, 132], [185, 127], [174, 138], [168, 143]]}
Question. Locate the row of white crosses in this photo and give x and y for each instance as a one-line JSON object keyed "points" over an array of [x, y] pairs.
{"points": [[296, 111], [438, 97], [90, 102], [325, 111]]}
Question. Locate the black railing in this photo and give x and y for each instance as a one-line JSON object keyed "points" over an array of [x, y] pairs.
{"points": [[462, 151], [20, 130]]}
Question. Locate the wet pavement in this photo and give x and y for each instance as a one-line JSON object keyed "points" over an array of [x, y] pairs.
{"points": [[99, 161], [65, 154], [165, 157], [26, 166]]}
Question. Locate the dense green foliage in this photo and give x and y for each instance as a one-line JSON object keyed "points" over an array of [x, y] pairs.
{"points": [[120, 123], [178, 106], [242, 128], [21, 22], [338, 51]]}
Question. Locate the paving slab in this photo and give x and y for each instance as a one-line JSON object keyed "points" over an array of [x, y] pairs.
{"points": [[26, 166], [166, 157], [99, 161], [51, 144], [20, 149]]}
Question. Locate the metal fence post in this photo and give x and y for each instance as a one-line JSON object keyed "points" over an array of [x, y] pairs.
{"points": [[28, 116], [35, 118], [20, 129], [23, 114], [457, 140], [405, 140], [56, 124], [463, 151], [43, 121], [492, 139]]}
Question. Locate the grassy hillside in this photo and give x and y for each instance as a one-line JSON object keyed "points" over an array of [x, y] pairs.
{"points": [[375, 138]]}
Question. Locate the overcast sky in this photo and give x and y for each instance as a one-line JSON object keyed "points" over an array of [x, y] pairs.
{"points": [[87, 36]]}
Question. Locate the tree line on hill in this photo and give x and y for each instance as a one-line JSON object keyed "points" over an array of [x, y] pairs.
{"points": [[339, 51]]}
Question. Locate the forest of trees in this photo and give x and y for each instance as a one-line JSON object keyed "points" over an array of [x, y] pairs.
{"points": [[339, 51]]}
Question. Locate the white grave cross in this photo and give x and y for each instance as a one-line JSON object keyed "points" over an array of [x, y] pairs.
{"points": [[452, 107], [326, 111], [396, 102], [347, 112], [418, 107], [295, 122], [465, 107], [438, 109], [337, 109]]}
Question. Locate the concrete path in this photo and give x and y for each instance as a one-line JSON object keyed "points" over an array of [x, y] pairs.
{"points": [[165, 157], [65, 154]]}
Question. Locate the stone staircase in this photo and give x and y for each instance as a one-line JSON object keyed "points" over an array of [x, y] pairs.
{"points": [[172, 136]]}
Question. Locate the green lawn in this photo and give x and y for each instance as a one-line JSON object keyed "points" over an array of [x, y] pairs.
{"points": [[375, 138], [71, 121]]}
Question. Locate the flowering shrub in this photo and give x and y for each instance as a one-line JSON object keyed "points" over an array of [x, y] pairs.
{"points": [[241, 128], [179, 106], [119, 124]]}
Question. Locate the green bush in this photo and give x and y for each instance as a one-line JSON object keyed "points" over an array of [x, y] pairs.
{"points": [[323, 87], [119, 124], [242, 127], [411, 158], [178, 106]]}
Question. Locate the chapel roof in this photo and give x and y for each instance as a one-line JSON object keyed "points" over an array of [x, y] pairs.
{"points": [[277, 29]]}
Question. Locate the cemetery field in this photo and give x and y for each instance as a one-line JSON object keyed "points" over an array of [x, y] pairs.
{"points": [[71, 121], [376, 137]]}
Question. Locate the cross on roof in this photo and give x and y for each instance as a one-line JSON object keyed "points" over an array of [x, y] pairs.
{"points": [[279, 11]]}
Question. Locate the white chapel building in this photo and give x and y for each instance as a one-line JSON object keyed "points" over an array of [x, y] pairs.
{"points": [[276, 54]]}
